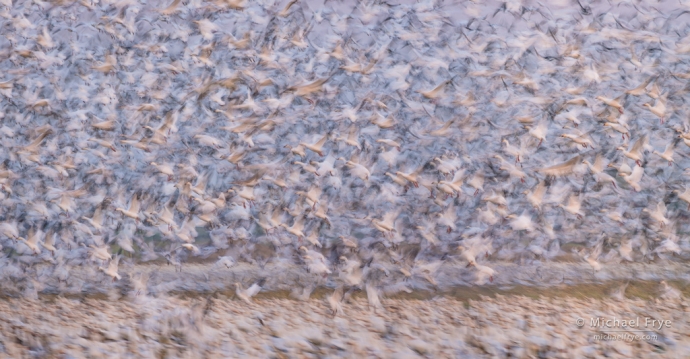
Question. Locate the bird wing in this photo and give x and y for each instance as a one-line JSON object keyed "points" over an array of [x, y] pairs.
{"points": [[276, 216], [599, 163], [97, 215], [299, 223], [253, 290], [32, 237], [640, 144], [562, 169], [37, 142], [252, 181], [321, 142], [620, 99], [49, 239], [636, 174], [201, 182], [478, 178], [352, 135], [112, 266], [458, 177], [389, 218], [540, 190], [450, 214], [669, 149], [134, 204], [418, 170]]}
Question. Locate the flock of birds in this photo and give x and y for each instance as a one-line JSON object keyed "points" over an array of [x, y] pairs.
{"points": [[381, 141]]}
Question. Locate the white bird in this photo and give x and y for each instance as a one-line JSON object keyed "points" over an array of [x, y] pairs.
{"points": [[539, 132], [447, 219], [574, 206], [580, 138], [611, 102], [297, 227], [456, 184], [685, 196], [668, 246], [316, 266], [447, 165], [190, 247], [483, 272], [598, 171], [9, 230], [659, 108], [102, 253], [659, 213], [496, 199], [49, 243], [477, 182], [165, 169], [33, 241], [313, 238], [667, 154], [356, 168], [247, 294], [133, 210], [112, 269], [352, 138], [636, 153], [536, 196], [634, 178], [428, 233], [334, 300], [316, 147], [622, 169], [515, 151], [521, 223], [511, 169], [225, 261], [96, 221]]}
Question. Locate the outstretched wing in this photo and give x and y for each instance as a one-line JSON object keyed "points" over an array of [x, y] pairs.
{"points": [[599, 163], [562, 169], [134, 204]]}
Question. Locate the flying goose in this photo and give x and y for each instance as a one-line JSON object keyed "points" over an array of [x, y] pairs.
{"points": [[133, 210], [316, 147], [112, 269], [636, 153], [634, 178]]}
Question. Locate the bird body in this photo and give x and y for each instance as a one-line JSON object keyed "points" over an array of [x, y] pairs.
{"points": [[133, 210], [456, 183], [536, 196], [521, 223], [685, 196], [33, 241], [574, 206], [562, 169], [634, 178], [316, 147], [297, 227], [667, 155], [659, 109], [598, 171], [658, 214], [247, 294], [112, 269], [636, 153], [611, 102]]}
